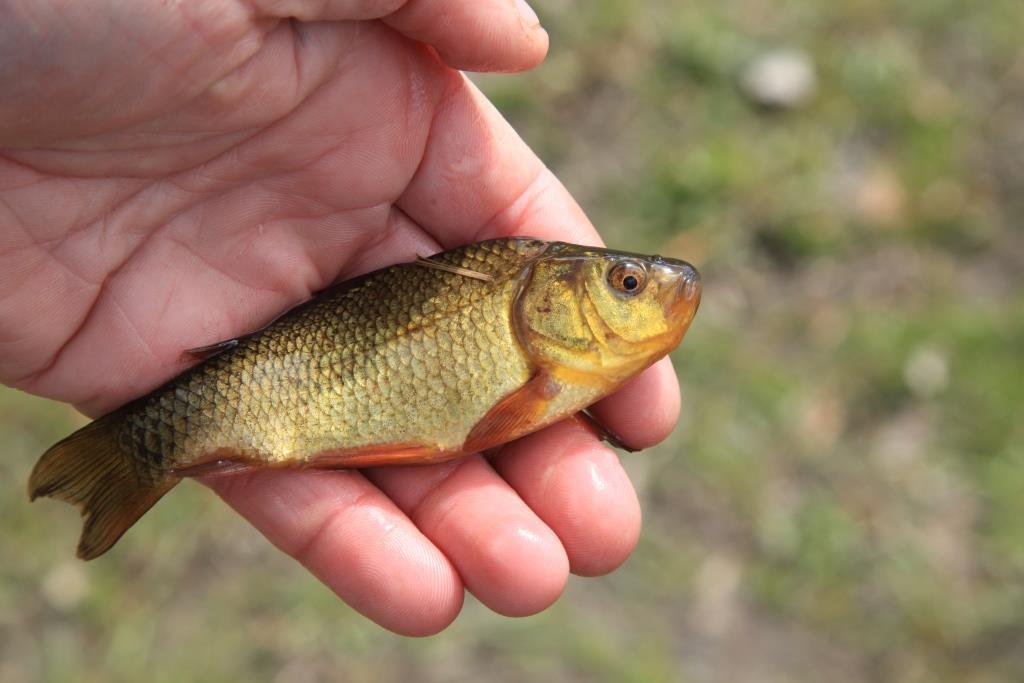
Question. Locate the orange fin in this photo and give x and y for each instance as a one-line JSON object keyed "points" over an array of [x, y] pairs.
{"points": [[376, 456], [608, 436], [211, 350], [517, 414], [227, 461]]}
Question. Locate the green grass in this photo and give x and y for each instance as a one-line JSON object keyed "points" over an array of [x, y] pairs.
{"points": [[844, 498]]}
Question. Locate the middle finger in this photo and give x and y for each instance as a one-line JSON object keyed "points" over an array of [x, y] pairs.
{"points": [[505, 554]]}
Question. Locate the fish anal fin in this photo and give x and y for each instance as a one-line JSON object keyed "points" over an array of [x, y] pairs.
{"points": [[517, 414], [210, 350], [227, 461], [376, 456]]}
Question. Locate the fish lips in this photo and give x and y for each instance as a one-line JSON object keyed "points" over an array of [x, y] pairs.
{"points": [[682, 286]]}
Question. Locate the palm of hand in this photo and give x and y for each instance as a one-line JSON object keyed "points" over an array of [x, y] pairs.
{"points": [[304, 153]]}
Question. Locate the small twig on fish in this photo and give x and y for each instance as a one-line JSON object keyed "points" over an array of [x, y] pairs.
{"points": [[458, 270]]}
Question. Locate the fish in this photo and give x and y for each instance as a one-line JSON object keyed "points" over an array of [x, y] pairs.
{"points": [[417, 363]]}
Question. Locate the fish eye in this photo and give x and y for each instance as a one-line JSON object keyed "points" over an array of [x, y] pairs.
{"points": [[627, 278]]}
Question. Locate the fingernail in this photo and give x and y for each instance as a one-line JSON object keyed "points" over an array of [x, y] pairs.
{"points": [[529, 17]]}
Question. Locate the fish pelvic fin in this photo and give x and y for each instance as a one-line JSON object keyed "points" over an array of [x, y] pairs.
{"points": [[90, 471]]}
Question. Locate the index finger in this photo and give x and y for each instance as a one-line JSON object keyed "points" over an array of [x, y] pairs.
{"points": [[477, 35]]}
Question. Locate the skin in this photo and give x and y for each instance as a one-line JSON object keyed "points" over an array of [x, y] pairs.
{"points": [[173, 174]]}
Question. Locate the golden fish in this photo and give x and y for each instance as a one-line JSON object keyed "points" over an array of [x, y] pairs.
{"points": [[416, 363]]}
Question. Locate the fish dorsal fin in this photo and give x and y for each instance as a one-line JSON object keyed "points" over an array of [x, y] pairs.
{"points": [[449, 268], [211, 350]]}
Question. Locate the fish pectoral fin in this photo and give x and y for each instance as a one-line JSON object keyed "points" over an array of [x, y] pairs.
{"points": [[376, 456], [449, 268], [210, 350], [608, 436], [516, 415]]}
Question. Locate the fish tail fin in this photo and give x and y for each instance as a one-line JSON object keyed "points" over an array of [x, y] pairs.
{"points": [[90, 470]]}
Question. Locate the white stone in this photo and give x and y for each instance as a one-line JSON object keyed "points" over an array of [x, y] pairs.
{"points": [[783, 78]]}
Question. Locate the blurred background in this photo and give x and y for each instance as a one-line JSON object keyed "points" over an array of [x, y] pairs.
{"points": [[844, 497]]}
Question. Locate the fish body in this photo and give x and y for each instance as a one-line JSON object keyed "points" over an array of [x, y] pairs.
{"points": [[415, 363]]}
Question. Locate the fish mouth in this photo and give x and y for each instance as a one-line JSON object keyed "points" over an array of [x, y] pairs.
{"points": [[690, 286], [682, 286]]}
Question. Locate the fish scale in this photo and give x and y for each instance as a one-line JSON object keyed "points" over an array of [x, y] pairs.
{"points": [[358, 392]]}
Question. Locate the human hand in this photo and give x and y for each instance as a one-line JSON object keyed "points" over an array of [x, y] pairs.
{"points": [[174, 174]]}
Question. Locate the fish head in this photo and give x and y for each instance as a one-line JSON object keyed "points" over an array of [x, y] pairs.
{"points": [[605, 313]]}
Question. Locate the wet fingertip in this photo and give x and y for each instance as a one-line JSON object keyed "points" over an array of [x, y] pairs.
{"points": [[612, 538], [504, 555], [430, 599], [597, 512], [578, 487], [530, 584], [388, 572]]}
